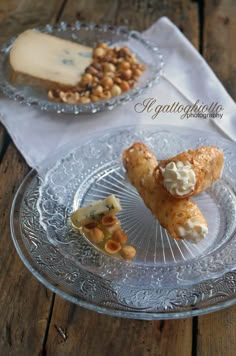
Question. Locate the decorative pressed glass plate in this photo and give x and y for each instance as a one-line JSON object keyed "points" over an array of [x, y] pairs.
{"points": [[167, 278], [90, 35]]}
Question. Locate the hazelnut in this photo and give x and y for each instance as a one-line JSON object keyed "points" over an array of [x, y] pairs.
{"points": [[124, 65], [87, 93], [112, 246], [108, 58], [114, 60], [91, 70], [123, 52], [97, 66], [119, 236], [98, 90], [141, 67], [87, 78], [109, 220], [99, 52], [124, 86], [132, 59], [110, 74], [116, 49], [117, 80], [128, 252], [95, 80], [90, 226], [107, 82], [110, 52], [69, 97], [89, 86], [94, 98], [84, 100], [102, 45], [54, 94], [106, 95], [126, 74], [131, 83], [99, 75], [96, 235], [109, 67], [134, 65], [116, 90], [137, 72]]}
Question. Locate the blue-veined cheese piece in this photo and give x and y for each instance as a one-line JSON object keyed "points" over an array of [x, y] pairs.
{"points": [[49, 58], [110, 205]]}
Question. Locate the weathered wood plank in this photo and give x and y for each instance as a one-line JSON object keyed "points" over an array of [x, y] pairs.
{"points": [[4, 139], [136, 14], [24, 302], [219, 40], [94, 334], [89, 333], [16, 16], [216, 332]]}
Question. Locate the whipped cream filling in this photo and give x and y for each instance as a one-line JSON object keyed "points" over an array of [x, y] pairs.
{"points": [[179, 178], [193, 230]]}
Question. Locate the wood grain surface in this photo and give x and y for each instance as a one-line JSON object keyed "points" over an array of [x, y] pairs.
{"points": [[136, 14], [90, 333], [18, 15], [24, 303], [32, 318], [216, 332], [219, 41]]}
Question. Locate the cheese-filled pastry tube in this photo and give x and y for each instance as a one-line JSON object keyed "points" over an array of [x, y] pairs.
{"points": [[191, 172], [180, 217]]}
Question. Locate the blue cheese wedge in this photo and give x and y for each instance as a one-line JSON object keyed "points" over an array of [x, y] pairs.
{"points": [[110, 205], [49, 58]]}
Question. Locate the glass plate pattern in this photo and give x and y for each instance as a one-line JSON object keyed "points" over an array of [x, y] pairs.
{"points": [[166, 279]]}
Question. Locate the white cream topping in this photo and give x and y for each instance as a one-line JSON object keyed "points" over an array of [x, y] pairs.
{"points": [[193, 230], [179, 177]]}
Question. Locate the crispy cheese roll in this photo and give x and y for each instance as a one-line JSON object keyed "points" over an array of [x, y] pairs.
{"points": [[191, 172], [181, 217]]}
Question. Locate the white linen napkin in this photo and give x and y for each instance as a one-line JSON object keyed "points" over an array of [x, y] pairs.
{"points": [[186, 79]]}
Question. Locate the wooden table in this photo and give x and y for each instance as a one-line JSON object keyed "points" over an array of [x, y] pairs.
{"points": [[31, 315]]}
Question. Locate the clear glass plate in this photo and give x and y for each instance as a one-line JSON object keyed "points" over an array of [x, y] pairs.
{"points": [[168, 278], [91, 35]]}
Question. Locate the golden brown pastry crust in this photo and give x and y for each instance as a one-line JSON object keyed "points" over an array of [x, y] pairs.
{"points": [[140, 164], [207, 163]]}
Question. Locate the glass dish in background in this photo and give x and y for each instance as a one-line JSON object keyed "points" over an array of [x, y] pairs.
{"points": [[90, 35]]}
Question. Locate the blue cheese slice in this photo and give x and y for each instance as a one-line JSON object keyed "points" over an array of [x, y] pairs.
{"points": [[110, 205], [49, 58]]}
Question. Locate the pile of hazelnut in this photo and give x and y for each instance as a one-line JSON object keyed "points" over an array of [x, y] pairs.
{"points": [[112, 72], [108, 234]]}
